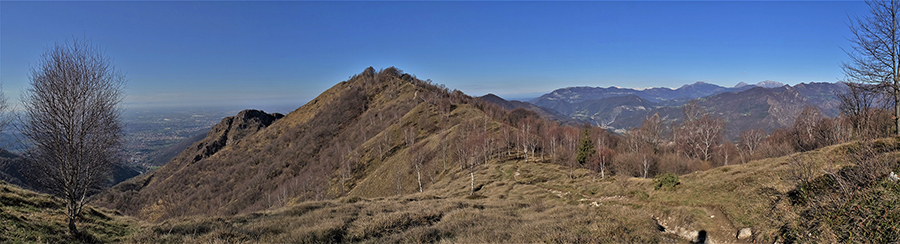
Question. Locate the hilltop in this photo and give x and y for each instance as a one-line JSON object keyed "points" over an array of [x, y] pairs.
{"points": [[350, 140]]}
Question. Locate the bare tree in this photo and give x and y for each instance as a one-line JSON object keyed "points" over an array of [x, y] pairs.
{"points": [[709, 134], [571, 138], [652, 131], [699, 137], [5, 108], [506, 135], [525, 136], [72, 119], [751, 139], [409, 134], [5, 119], [858, 105], [875, 56], [726, 150], [604, 151], [416, 155], [350, 160], [805, 126], [604, 156]]}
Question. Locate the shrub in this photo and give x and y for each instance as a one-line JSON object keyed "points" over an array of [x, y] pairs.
{"points": [[665, 181]]}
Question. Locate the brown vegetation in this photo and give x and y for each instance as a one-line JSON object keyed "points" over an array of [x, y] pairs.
{"points": [[386, 157]]}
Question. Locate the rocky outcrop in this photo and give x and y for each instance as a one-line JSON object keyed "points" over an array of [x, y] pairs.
{"points": [[126, 195], [232, 129]]}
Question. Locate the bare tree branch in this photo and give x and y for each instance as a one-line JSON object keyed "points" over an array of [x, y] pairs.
{"points": [[71, 117], [875, 56]]}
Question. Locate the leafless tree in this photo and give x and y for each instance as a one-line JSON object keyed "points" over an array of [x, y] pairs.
{"points": [[805, 125], [350, 160], [652, 131], [709, 134], [552, 134], [571, 138], [5, 118], [486, 140], [875, 56], [444, 144], [409, 134], [416, 155], [751, 139], [604, 151], [726, 151], [506, 135], [72, 119], [700, 137], [526, 136], [859, 104]]}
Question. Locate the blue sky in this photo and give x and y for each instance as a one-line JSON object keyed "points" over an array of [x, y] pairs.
{"points": [[257, 54]]}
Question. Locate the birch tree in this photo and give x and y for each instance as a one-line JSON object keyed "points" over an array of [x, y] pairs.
{"points": [[72, 119]]}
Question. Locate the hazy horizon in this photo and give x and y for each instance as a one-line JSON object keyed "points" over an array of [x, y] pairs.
{"points": [[259, 54]]}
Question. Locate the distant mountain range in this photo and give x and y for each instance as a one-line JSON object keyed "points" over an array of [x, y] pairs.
{"points": [[767, 105], [513, 104], [684, 93]]}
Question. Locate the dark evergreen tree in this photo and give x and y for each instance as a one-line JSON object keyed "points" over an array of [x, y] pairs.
{"points": [[586, 149]]}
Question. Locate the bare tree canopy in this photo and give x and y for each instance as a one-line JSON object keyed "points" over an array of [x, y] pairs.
{"points": [[5, 108], [71, 117], [875, 56]]}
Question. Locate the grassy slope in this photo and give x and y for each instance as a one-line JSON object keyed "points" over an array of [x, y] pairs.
{"points": [[530, 202], [516, 201], [29, 217], [508, 208]]}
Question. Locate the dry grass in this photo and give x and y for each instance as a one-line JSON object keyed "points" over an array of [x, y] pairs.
{"points": [[418, 219], [530, 207], [29, 217], [516, 201]]}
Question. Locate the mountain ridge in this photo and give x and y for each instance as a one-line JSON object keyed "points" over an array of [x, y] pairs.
{"points": [[359, 129], [514, 104], [610, 107], [656, 94]]}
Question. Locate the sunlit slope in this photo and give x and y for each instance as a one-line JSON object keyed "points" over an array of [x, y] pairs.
{"points": [[518, 201], [349, 137]]}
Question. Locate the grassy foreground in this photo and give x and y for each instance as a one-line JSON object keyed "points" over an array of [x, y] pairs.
{"points": [[29, 217], [527, 202]]}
